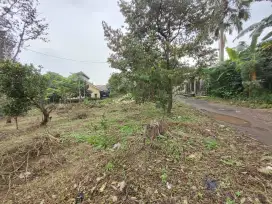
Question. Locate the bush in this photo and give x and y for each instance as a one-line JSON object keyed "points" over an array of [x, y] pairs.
{"points": [[224, 80]]}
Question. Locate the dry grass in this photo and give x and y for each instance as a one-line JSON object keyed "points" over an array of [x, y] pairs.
{"points": [[197, 161]]}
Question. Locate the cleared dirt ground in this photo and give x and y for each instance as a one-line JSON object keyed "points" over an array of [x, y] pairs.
{"points": [[96, 151]]}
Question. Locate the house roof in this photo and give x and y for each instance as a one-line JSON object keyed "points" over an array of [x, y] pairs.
{"points": [[99, 87], [83, 74], [102, 87]]}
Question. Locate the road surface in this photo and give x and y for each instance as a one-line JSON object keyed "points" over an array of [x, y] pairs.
{"points": [[256, 123]]}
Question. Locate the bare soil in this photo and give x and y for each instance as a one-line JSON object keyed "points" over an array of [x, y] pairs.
{"points": [[101, 158]]}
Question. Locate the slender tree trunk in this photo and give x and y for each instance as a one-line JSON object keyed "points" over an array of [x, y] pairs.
{"points": [[221, 44], [16, 121], [170, 83]]}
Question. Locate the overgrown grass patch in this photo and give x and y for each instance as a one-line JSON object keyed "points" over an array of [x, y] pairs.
{"points": [[171, 170], [98, 140], [211, 143]]}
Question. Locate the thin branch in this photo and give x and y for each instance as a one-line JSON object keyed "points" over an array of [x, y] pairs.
{"points": [[20, 42], [7, 10], [180, 23]]}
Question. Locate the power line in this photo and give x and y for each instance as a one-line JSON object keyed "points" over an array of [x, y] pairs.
{"points": [[63, 58]]}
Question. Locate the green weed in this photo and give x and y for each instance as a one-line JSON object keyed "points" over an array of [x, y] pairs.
{"points": [[86, 102], [238, 194], [109, 166], [104, 122], [99, 141], [164, 176], [210, 144], [126, 129], [230, 201]]}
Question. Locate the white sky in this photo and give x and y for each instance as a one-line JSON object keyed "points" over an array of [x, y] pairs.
{"points": [[75, 32]]}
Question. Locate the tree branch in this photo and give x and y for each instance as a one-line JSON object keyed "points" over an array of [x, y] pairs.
{"points": [[20, 43]]}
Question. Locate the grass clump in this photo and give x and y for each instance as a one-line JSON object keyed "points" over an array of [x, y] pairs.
{"points": [[210, 144], [164, 176], [127, 129], [109, 166], [100, 141]]}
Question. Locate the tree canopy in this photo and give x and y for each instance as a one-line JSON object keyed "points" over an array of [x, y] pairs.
{"points": [[156, 37]]}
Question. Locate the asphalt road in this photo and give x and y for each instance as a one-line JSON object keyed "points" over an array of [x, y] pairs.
{"points": [[256, 123]]}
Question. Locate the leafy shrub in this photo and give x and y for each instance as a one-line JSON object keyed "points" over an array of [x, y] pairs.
{"points": [[224, 80]]}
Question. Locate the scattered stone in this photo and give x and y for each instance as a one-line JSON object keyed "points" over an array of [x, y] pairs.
{"points": [[122, 186], [194, 188], [195, 156], [54, 196], [24, 175], [117, 146], [266, 170], [114, 199], [243, 200], [103, 187], [169, 186], [100, 178]]}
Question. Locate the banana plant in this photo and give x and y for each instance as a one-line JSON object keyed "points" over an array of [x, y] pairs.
{"points": [[256, 30]]}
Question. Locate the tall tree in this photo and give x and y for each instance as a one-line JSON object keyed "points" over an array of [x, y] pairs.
{"points": [[20, 19], [228, 15], [159, 33]]}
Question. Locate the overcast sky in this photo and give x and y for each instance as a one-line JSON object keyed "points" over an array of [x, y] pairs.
{"points": [[75, 32]]}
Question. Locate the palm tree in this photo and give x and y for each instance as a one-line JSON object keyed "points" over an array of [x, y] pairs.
{"points": [[229, 15], [256, 30]]}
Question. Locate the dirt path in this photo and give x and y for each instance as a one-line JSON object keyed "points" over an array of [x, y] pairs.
{"points": [[257, 123]]}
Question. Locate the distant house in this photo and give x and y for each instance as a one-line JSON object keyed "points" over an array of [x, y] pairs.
{"points": [[98, 91]]}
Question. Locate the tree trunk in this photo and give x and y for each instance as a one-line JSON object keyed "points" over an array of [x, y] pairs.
{"points": [[16, 121], [170, 97], [45, 118], [253, 76], [170, 85], [221, 44]]}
